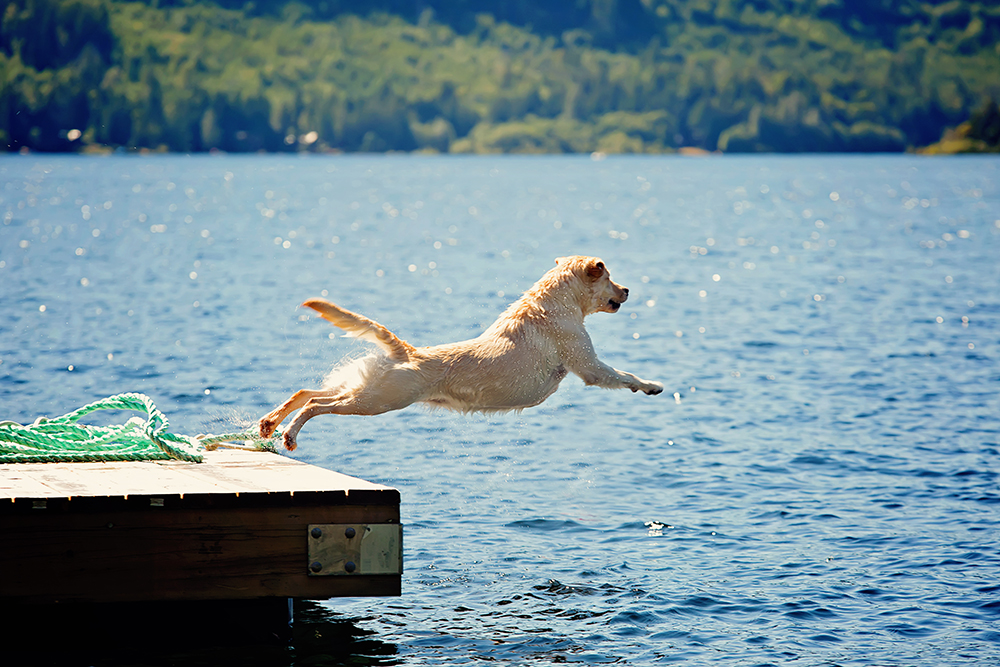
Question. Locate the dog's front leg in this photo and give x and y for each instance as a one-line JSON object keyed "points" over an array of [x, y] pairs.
{"points": [[602, 375], [581, 360]]}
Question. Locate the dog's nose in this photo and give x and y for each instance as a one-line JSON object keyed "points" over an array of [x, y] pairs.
{"points": [[625, 291]]}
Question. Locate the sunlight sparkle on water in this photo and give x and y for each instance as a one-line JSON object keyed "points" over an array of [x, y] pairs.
{"points": [[828, 489]]}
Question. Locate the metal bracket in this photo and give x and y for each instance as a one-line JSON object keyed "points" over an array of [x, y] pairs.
{"points": [[346, 549]]}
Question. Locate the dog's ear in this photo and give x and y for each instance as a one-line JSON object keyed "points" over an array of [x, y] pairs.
{"points": [[560, 260], [595, 269]]}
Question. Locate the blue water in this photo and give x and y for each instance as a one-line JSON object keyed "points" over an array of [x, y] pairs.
{"points": [[817, 485]]}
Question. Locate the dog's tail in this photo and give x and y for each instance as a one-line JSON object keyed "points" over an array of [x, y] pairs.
{"points": [[359, 326]]}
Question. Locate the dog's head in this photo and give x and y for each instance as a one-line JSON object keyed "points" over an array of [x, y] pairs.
{"points": [[601, 294]]}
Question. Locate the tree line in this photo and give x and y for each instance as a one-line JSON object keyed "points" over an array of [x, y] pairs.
{"points": [[493, 76]]}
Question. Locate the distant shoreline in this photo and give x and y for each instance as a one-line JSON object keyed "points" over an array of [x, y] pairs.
{"points": [[486, 77], [935, 150]]}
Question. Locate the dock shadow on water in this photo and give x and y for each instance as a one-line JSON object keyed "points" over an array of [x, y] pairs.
{"points": [[195, 635]]}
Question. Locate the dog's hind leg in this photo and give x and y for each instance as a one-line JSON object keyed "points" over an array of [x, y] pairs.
{"points": [[315, 407], [270, 422], [387, 396], [344, 404]]}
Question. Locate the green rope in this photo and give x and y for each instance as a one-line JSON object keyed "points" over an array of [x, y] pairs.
{"points": [[62, 439]]}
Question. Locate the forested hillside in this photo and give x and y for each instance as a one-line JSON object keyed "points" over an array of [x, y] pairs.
{"points": [[493, 76]]}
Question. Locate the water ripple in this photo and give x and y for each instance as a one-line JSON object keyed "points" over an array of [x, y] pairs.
{"points": [[822, 491]]}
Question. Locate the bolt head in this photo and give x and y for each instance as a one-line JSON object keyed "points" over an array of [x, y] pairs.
{"points": [[315, 566], [316, 533], [350, 532], [350, 566]]}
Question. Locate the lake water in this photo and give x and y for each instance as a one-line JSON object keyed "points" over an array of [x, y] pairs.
{"points": [[817, 485]]}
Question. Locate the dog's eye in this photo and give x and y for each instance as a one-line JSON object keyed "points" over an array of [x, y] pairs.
{"points": [[595, 271]]}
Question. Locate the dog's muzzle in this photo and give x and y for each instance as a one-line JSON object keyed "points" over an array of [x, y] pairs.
{"points": [[615, 304]]}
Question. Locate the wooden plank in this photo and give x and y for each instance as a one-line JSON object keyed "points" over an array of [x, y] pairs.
{"points": [[63, 480], [190, 477], [297, 478], [16, 483], [176, 555], [224, 471], [142, 478], [280, 473]]}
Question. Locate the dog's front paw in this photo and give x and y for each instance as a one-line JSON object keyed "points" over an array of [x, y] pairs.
{"points": [[653, 388], [289, 441]]}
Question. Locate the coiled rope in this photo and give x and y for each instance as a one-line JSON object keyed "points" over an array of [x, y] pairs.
{"points": [[62, 439]]}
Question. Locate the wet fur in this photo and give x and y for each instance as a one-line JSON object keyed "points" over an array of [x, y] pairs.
{"points": [[516, 363]]}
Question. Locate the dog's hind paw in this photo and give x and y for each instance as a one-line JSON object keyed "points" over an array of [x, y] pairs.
{"points": [[266, 427]]}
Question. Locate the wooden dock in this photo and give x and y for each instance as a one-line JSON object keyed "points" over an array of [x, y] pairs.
{"points": [[239, 526]]}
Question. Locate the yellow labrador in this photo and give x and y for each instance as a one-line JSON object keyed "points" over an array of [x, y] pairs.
{"points": [[516, 363]]}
